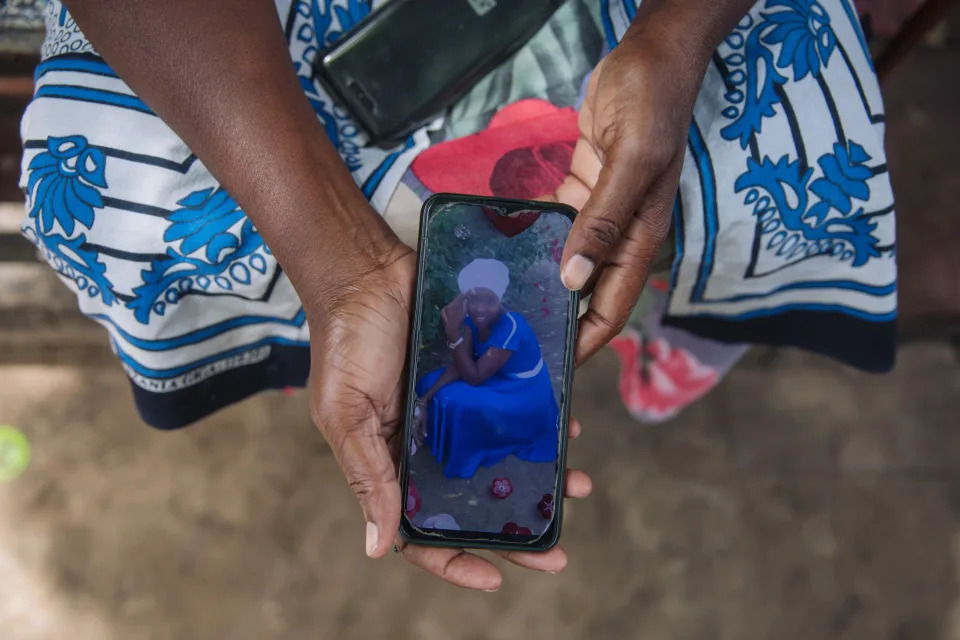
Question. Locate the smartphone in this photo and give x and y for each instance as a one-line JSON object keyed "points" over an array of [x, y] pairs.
{"points": [[490, 371], [408, 61]]}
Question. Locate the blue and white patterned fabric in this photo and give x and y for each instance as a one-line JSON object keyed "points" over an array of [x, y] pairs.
{"points": [[785, 225], [785, 220]]}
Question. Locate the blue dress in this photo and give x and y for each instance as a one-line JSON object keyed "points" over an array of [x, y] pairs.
{"points": [[513, 412]]}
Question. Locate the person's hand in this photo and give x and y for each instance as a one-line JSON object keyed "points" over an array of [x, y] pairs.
{"points": [[453, 316], [624, 175], [359, 334]]}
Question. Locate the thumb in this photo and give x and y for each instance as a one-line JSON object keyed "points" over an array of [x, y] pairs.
{"points": [[605, 216], [368, 467]]}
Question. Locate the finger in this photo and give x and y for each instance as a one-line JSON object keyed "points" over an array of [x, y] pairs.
{"points": [[625, 273], [613, 202], [574, 430], [585, 168], [456, 566], [552, 561], [585, 164], [573, 192], [577, 485], [368, 467]]}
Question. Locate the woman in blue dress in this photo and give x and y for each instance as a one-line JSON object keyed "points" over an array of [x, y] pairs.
{"points": [[495, 399]]}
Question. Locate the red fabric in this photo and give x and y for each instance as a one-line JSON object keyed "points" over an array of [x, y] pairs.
{"points": [[524, 153], [672, 378]]}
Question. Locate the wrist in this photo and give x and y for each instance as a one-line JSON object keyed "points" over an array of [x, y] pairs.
{"points": [[686, 31], [318, 224]]}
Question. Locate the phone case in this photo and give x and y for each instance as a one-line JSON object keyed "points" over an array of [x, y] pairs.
{"points": [[407, 62], [550, 538]]}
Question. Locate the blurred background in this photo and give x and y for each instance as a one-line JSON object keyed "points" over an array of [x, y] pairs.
{"points": [[798, 500]]}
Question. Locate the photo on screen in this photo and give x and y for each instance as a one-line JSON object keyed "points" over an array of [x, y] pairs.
{"points": [[489, 372]]}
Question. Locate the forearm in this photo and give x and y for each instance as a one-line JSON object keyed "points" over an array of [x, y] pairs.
{"points": [[465, 365], [450, 374], [696, 26], [220, 75]]}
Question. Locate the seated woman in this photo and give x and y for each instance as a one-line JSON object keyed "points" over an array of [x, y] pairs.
{"points": [[495, 399]]}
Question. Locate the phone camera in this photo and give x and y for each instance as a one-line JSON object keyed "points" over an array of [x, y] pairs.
{"points": [[361, 96]]}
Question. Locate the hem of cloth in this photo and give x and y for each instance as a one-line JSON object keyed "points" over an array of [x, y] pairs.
{"points": [[868, 346], [286, 366]]}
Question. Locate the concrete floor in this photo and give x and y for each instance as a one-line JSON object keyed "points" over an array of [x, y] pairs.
{"points": [[799, 500]]}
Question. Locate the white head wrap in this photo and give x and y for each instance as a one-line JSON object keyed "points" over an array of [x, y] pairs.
{"points": [[485, 273]]}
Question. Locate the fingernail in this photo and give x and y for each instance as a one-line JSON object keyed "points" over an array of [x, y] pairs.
{"points": [[373, 534], [577, 272], [492, 590]]}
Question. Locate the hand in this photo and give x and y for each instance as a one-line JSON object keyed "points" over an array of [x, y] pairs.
{"points": [[359, 334], [453, 316], [624, 175]]}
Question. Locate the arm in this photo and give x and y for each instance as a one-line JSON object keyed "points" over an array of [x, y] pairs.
{"points": [[475, 372], [220, 75], [450, 374], [702, 24]]}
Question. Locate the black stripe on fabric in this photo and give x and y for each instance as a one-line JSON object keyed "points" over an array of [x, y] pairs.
{"points": [[755, 247], [832, 107], [724, 71], [874, 118], [794, 128], [869, 346], [287, 366], [291, 19], [135, 207], [705, 276], [86, 55], [881, 212], [163, 163], [173, 165], [123, 255], [226, 294]]}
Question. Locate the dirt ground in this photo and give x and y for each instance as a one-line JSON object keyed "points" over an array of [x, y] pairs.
{"points": [[799, 500]]}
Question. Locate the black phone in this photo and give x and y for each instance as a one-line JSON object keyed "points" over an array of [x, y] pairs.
{"points": [[490, 371], [408, 61]]}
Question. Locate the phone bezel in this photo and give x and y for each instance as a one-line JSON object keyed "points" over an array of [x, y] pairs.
{"points": [[479, 539]]}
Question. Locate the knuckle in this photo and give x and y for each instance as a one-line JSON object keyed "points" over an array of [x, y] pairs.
{"points": [[611, 326], [444, 570], [618, 323], [363, 485], [602, 230], [657, 226], [366, 482]]}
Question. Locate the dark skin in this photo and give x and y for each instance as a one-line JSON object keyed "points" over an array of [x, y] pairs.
{"points": [[219, 74], [626, 164], [484, 308]]}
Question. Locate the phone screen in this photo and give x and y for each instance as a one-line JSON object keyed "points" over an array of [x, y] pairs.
{"points": [[490, 371]]}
